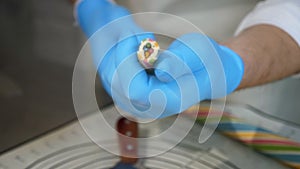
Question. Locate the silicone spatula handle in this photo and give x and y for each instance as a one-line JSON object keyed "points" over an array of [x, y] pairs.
{"points": [[128, 133]]}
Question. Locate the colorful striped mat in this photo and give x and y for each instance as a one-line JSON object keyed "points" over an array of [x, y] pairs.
{"points": [[266, 142]]}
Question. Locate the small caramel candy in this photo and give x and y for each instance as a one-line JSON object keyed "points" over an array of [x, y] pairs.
{"points": [[148, 53]]}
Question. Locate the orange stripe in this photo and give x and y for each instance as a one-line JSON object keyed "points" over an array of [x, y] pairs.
{"points": [[253, 135], [293, 165]]}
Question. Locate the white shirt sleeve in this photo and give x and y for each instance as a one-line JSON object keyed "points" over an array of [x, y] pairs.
{"points": [[284, 14]]}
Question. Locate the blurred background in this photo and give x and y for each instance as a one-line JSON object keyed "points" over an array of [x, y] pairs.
{"points": [[39, 46], [40, 42]]}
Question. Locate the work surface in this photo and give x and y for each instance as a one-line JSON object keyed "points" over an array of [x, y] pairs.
{"points": [[69, 147]]}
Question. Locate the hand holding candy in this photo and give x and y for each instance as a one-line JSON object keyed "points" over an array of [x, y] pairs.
{"points": [[181, 79]]}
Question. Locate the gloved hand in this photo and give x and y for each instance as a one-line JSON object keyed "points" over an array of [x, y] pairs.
{"points": [[215, 67], [181, 78], [114, 38]]}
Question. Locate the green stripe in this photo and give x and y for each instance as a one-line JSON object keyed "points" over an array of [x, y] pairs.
{"points": [[275, 147], [210, 119]]}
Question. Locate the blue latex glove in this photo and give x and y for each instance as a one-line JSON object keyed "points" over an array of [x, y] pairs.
{"points": [[94, 14], [115, 38], [114, 48], [212, 65]]}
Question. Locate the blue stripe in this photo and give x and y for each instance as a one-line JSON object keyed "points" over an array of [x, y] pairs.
{"points": [[240, 127], [287, 157]]}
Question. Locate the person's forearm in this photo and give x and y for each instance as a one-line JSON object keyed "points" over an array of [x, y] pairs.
{"points": [[268, 53]]}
